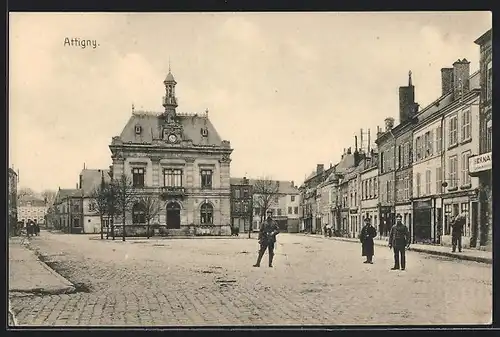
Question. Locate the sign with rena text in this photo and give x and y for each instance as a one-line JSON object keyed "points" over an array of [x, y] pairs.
{"points": [[480, 163]]}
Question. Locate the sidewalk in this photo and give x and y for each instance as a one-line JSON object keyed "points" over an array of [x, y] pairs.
{"points": [[466, 254], [27, 274]]}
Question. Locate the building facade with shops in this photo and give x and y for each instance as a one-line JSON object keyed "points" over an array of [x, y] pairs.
{"points": [[460, 142], [180, 159], [480, 165], [386, 177], [310, 217], [369, 192]]}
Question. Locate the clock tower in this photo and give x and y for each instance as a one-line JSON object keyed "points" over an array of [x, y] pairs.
{"points": [[169, 100], [172, 129]]}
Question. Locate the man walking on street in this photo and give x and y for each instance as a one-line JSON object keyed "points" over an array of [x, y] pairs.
{"points": [[399, 240], [457, 228], [368, 232], [267, 239]]}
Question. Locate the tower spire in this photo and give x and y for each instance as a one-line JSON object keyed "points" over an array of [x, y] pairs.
{"points": [[409, 79], [169, 100]]}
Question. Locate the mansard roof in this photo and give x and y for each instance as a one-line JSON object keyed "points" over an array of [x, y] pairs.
{"points": [[151, 125]]}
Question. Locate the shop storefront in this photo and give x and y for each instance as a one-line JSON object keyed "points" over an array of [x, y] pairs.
{"points": [[422, 222], [386, 221], [480, 166]]}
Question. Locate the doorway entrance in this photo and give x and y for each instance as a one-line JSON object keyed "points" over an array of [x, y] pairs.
{"points": [[173, 215]]}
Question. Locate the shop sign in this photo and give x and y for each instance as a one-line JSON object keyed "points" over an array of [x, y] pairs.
{"points": [[422, 204], [480, 163]]}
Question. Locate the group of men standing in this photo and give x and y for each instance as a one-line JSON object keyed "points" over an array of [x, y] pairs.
{"points": [[399, 239]]}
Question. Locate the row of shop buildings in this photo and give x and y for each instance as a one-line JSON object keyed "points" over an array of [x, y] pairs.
{"points": [[432, 166]]}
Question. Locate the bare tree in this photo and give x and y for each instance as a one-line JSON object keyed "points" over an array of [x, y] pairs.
{"points": [[152, 207], [125, 197], [99, 198], [25, 192], [112, 206], [265, 193], [49, 197]]}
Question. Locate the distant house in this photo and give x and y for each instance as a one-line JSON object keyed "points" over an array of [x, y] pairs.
{"points": [[90, 180], [31, 208], [285, 207]]}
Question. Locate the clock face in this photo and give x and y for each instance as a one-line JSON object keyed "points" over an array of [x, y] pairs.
{"points": [[172, 138]]}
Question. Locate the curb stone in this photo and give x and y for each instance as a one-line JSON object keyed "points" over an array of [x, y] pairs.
{"points": [[12, 318], [479, 259], [67, 288]]}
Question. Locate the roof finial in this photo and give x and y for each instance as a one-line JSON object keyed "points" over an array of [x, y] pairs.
{"points": [[133, 107], [206, 111], [409, 79], [169, 64]]}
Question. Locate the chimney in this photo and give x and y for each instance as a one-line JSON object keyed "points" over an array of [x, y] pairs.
{"points": [[369, 145], [349, 150], [389, 123], [461, 73], [355, 143], [81, 180], [446, 80], [320, 168], [406, 100], [292, 183]]}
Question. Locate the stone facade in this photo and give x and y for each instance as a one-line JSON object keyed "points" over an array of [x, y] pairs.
{"points": [[369, 193], [180, 159], [386, 179], [484, 239]]}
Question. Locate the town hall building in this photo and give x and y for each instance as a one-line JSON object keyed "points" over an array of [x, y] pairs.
{"points": [[180, 159]]}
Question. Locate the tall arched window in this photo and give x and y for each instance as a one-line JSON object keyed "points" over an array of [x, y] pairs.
{"points": [[138, 213], [207, 213]]}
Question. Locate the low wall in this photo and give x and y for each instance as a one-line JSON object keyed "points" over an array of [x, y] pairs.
{"points": [[162, 230]]}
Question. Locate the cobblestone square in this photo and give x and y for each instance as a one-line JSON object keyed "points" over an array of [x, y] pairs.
{"points": [[169, 282]]}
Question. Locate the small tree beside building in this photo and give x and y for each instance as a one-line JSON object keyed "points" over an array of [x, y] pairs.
{"points": [[265, 195]]}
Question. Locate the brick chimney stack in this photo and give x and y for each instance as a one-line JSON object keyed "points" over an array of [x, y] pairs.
{"points": [[320, 168], [446, 80], [461, 73], [406, 100]]}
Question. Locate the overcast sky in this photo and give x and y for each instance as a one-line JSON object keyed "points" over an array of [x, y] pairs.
{"points": [[288, 90]]}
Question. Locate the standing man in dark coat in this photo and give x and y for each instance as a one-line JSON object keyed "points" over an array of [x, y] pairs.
{"points": [[457, 229], [368, 232], [399, 240], [267, 239]]}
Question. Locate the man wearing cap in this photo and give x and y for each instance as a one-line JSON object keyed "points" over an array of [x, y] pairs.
{"points": [[399, 240], [368, 232], [267, 239], [457, 228]]}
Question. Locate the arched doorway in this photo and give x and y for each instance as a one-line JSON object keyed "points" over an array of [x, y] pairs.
{"points": [[173, 215]]}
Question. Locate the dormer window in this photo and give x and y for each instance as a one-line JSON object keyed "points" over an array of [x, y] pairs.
{"points": [[204, 132], [138, 129]]}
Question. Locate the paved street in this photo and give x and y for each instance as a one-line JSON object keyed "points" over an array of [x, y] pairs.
{"points": [[212, 282]]}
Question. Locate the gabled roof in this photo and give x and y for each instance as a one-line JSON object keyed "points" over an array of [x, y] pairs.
{"points": [[65, 193], [285, 187], [30, 200], [152, 124], [91, 178]]}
